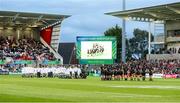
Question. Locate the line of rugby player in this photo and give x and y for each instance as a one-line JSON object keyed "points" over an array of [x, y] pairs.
{"points": [[60, 71], [126, 72]]}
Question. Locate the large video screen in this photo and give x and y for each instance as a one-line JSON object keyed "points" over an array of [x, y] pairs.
{"points": [[96, 49]]}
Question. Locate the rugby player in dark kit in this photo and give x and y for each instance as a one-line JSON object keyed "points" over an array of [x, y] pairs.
{"points": [[150, 74], [125, 73], [143, 73], [138, 74]]}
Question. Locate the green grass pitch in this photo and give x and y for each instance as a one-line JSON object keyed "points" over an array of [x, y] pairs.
{"points": [[18, 89]]}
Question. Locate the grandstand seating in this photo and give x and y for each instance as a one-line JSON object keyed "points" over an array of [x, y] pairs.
{"points": [[24, 49]]}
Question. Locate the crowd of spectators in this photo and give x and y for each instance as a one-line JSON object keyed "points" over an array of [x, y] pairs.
{"points": [[24, 49], [166, 66]]}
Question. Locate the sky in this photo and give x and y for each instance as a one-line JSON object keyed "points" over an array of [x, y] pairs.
{"points": [[87, 16]]}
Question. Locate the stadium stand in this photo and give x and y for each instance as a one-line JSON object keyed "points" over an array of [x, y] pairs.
{"points": [[30, 36], [24, 49], [28, 39]]}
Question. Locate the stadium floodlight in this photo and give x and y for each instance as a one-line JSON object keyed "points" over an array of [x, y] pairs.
{"points": [[123, 35]]}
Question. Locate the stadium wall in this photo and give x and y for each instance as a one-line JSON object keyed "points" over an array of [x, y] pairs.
{"points": [[172, 25], [172, 34], [55, 37]]}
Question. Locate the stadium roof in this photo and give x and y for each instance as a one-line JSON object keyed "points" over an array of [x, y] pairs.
{"points": [[154, 13], [26, 19]]}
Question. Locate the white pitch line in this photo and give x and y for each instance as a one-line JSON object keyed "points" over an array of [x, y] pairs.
{"points": [[128, 95], [145, 86]]}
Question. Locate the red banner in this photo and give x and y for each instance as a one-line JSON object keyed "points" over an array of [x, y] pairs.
{"points": [[46, 35], [170, 75]]}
